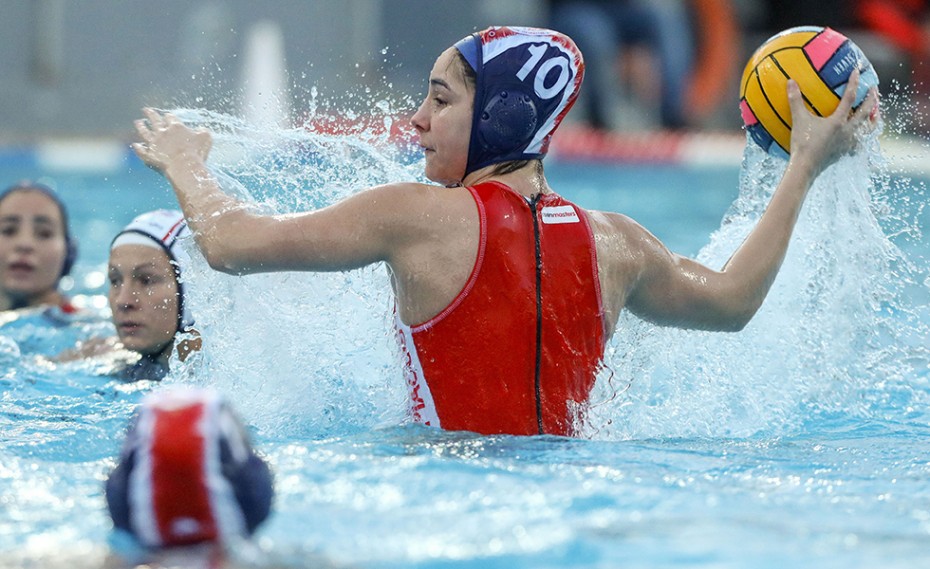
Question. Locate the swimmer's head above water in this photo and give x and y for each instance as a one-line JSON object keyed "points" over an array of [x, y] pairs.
{"points": [[495, 98], [163, 230], [187, 473], [525, 81], [36, 245], [147, 292]]}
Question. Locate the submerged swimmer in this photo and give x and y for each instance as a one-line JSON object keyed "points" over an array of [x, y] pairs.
{"points": [[146, 297], [36, 249], [506, 293], [187, 474]]}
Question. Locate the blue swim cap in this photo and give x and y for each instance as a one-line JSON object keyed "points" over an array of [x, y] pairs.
{"points": [[163, 228], [526, 81]]}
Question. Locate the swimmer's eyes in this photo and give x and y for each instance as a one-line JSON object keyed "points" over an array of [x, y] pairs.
{"points": [[435, 98], [149, 280], [41, 232], [142, 280], [44, 234]]}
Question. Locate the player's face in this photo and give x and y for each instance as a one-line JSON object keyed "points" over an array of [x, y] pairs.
{"points": [[143, 298], [443, 121], [32, 245]]}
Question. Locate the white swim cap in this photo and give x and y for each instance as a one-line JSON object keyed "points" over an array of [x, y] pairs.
{"points": [[162, 229]]}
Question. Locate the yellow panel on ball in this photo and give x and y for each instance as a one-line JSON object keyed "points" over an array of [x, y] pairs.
{"points": [[820, 60], [770, 101], [817, 94], [787, 41]]}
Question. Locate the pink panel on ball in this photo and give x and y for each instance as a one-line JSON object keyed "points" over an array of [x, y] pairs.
{"points": [[749, 118], [821, 48]]}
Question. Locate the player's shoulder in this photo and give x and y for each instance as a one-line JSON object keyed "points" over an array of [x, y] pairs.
{"points": [[613, 224]]}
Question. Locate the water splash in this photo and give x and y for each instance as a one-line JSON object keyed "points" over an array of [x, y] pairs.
{"points": [[842, 336], [304, 354]]}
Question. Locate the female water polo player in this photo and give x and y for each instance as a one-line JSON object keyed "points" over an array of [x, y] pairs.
{"points": [[36, 248], [146, 292], [506, 293], [146, 297]]}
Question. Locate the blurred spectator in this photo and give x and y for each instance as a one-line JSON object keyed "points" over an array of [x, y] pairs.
{"points": [[606, 30], [784, 14], [714, 80], [683, 54], [905, 25]]}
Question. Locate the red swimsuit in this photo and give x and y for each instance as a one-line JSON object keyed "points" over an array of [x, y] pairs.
{"points": [[518, 350]]}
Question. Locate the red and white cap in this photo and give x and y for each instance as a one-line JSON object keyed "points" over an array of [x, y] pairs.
{"points": [[187, 473]]}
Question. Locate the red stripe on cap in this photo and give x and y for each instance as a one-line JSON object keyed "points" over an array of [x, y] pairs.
{"points": [[180, 497], [171, 230]]}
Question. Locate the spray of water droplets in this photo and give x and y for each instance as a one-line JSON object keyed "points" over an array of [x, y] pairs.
{"points": [[303, 353], [842, 337], [843, 334]]}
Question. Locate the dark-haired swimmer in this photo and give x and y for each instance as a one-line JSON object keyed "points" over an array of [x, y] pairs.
{"points": [[36, 248], [505, 292]]}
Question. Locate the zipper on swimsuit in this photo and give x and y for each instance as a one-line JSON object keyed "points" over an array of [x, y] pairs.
{"points": [[533, 203]]}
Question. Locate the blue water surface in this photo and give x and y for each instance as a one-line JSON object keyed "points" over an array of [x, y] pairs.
{"points": [[800, 442]]}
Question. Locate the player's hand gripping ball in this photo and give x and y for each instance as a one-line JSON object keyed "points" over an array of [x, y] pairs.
{"points": [[820, 60]]}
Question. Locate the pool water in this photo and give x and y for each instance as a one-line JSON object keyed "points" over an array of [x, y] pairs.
{"points": [[801, 441]]}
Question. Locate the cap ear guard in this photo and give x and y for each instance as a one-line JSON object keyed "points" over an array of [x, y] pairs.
{"points": [[508, 121]]}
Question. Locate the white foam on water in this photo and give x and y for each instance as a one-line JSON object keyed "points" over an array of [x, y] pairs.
{"points": [[300, 353]]}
